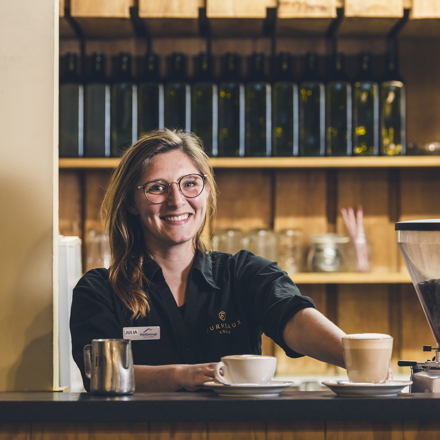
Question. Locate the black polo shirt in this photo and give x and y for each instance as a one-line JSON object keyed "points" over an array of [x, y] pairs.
{"points": [[230, 302]]}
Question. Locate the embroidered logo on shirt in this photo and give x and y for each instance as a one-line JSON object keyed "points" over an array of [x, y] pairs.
{"points": [[223, 328], [141, 333], [222, 315]]}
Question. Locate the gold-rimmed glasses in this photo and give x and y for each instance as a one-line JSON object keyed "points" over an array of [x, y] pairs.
{"points": [[158, 191]]}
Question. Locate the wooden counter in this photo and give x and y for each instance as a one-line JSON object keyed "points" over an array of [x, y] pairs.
{"points": [[204, 415]]}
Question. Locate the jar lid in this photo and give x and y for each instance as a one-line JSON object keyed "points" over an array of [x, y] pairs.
{"points": [[329, 238], [432, 224]]}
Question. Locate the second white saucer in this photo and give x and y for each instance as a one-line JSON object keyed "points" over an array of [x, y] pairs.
{"points": [[274, 388]]}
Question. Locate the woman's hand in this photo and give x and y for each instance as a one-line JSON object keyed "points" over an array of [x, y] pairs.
{"points": [[390, 372], [192, 377], [160, 378]]}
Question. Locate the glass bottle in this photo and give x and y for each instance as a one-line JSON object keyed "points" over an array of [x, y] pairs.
{"points": [[365, 111], [231, 112], [178, 95], [338, 103], [123, 107], [258, 118], [392, 110], [204, 105], [284, 110], [150, 98], [71, 110], [312, 110], [97, 110]]}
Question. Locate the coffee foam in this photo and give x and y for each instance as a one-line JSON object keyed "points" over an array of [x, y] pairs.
{"points": [[247, 356], [367, 336]]}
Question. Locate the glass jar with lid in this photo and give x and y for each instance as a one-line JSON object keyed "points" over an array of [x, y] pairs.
{"points": [[228, 240], [290, 250], [327, 253], [262, 242]]}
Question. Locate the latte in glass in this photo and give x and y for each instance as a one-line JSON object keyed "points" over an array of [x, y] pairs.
{"points": [[367, 357]]}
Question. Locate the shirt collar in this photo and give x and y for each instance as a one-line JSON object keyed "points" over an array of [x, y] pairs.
{"points": [[151, 268], [202, 263]]}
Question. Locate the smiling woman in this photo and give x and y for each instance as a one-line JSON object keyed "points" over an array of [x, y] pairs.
{"points": [[202, 305]]}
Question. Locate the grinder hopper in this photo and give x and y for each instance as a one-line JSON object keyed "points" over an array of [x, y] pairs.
{"points": [[419, 243]]}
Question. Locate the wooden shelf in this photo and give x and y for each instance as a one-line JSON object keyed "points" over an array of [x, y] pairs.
{"points": [[278, 162], [351, 278]]}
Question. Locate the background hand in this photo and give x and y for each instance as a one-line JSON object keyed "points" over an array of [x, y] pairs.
{"points": [[390, 372], [192, 377]]}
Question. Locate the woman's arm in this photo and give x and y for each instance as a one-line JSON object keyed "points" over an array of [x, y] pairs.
{"points": [[172, 377], [310, 333]]}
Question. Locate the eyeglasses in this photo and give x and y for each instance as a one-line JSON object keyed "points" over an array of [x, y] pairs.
{"points": [[158, 191]]}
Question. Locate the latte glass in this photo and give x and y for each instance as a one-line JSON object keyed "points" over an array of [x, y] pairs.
{"points": [[367, 357]]}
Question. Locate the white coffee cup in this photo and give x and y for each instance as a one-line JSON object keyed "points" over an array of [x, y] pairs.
{"points": [[247, 368], [367, 357]]}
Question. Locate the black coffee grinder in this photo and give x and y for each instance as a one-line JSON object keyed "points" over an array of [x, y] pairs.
{"points": [[419, 243]]}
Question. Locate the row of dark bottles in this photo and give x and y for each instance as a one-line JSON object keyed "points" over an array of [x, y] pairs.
{"points": [[255, 117]]}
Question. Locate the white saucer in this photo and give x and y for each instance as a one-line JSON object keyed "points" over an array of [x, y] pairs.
{"points": [[274, 388], [346, 388]]}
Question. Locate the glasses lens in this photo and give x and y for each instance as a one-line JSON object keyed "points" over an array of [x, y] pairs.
{"points": [[192, 185], [156, 191]]}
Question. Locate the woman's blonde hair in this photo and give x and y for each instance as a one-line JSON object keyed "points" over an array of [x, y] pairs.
{"points": [[124, 229]]}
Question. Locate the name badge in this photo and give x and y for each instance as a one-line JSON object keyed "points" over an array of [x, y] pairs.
{"points": [[141, 333]]}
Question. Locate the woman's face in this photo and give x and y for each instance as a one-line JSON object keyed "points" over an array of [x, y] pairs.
{"points": [[176, 221]]}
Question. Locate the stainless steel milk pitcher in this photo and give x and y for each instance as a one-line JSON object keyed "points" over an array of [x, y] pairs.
{"points": [[108, 364]]}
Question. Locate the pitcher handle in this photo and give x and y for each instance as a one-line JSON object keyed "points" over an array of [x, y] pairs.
{"points": [[127, 361], [87, 350]]}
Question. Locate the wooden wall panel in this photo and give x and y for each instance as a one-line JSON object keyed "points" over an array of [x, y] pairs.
{"points": [[60, 431], [236, 431], [373, 8], [177, 431], [369, 188], [296, 431], [420, 193], [65, 29], [306, 9], [364, 431], [422, 92], [332, 430], [363, 308], [191, 46], [425, 9], [165, 17], [221, 45], [70, 203], [245, 199], [301, 201], [426, 430], [370, 18], [15, 431], [170, 8], [118, 431], [103, 18], [100, 8], [95, 185], [305, 17], [245, 17]]}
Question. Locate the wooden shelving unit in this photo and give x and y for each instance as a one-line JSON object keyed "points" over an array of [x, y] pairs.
{"points": [[279, 162], [350, 278], [295, 192]]}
